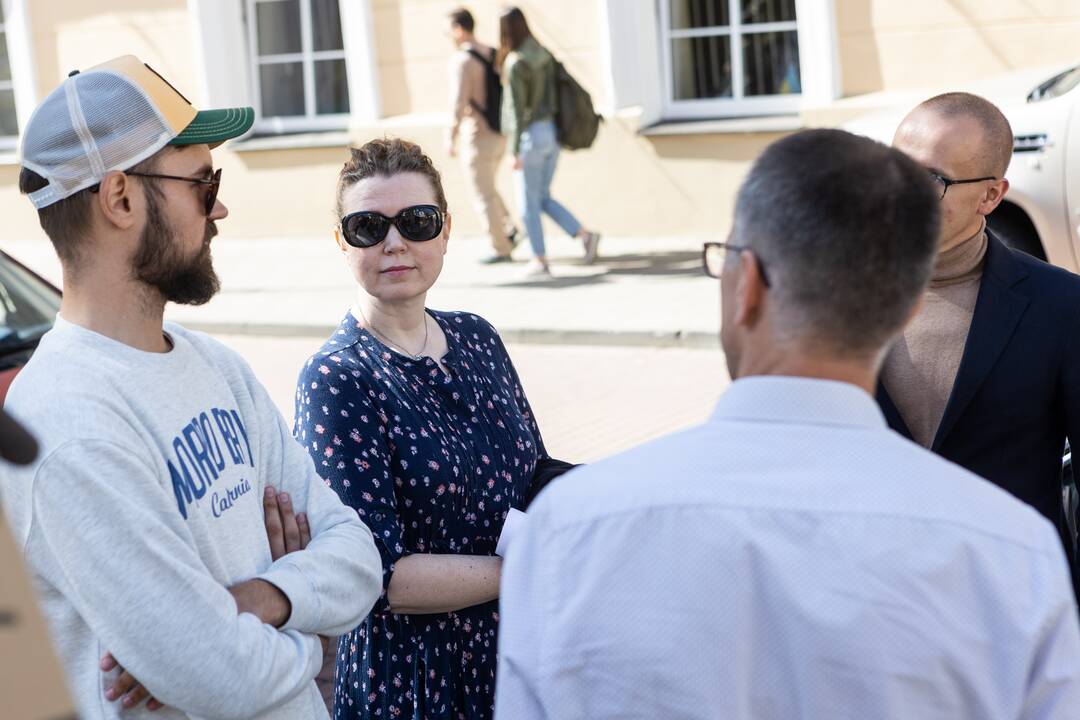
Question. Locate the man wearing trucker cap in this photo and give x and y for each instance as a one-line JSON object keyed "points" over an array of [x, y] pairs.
{"points": [[161, 455]]}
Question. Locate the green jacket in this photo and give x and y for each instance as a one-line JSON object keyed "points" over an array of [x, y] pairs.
{"points": [[530, 81]]}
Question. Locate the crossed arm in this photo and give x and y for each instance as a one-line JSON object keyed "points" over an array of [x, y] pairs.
{"points": [[287, 532]]}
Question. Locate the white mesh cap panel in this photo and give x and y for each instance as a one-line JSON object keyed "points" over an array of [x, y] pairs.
{"points": [[107, 123]]}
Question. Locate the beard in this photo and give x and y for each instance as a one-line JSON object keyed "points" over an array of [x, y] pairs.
{"points": [[160, 264]]}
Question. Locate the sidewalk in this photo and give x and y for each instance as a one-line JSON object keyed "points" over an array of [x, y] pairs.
{"points": [[642, 291]]}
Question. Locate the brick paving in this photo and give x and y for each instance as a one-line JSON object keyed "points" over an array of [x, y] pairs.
{"points": [[591, 401]]}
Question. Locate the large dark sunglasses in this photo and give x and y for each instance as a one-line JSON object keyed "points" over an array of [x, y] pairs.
{"points": [[418, 223], [212, 184]]}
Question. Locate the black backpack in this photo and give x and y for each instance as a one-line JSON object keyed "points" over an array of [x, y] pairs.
{"points": [[492, 90], [575, 119]]}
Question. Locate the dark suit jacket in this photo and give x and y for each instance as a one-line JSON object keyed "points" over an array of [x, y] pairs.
{"points": [[1017, 391]]}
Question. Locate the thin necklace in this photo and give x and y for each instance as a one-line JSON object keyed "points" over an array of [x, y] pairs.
{"points": [[415, 356]]}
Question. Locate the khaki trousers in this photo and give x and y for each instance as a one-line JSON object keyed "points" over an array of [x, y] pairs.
{"points": [[481, 150]]}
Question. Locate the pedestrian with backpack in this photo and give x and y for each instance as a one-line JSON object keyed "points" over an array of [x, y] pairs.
{"points": [[530, 108], [476, 98]]}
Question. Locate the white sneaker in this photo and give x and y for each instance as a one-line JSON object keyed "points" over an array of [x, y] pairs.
{"points": [[592, 243], [537, 268]]}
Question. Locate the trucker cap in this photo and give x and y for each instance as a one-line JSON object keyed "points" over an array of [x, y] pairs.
{"points": [[111, 117]]}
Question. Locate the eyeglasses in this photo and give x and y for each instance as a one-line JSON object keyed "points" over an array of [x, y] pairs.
{"points": [[946, 183], [418, 223], [714, 255], [212, 184]]}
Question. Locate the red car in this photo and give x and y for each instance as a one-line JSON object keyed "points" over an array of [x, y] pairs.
{"points": [[28, 307]]}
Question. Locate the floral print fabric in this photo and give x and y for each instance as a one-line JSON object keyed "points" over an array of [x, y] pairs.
{"points": [[432, 462]]}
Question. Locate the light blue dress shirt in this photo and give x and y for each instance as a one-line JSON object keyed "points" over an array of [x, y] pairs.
{"points": [[790, 558]]}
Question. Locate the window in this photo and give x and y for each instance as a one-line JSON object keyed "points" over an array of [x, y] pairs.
{"points": [[730, 57], [299, 72], [9, 123]]}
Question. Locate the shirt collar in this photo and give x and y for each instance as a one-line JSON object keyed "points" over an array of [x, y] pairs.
{"points": [[798, 400]]}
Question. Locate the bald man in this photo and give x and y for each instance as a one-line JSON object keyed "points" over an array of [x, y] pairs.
{"points": [[988, 373]]}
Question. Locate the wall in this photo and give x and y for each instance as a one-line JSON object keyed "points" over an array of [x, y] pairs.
{"points": [[903, 45], [73, 34], [628, 184], [413, 47]]}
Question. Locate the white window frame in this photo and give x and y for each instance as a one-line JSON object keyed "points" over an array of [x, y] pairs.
{"points": [[17, 34], [738, 103], [307, 56], [639, 75], [223, 41]]}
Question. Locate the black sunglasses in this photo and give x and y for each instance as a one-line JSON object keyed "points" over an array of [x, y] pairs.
{"points": [[213, 183], [418, 223]]}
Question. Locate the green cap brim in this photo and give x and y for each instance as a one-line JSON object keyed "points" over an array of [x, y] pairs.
{"points": [[213, 127]]}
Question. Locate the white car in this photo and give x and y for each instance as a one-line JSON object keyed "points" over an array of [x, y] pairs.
{"points": [[1041, 212]]}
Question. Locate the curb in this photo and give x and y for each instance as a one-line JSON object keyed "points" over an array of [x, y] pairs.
{"points": [[692, 339]]}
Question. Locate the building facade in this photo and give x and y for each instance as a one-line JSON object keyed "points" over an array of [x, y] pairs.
{"points": [[691, 90]]}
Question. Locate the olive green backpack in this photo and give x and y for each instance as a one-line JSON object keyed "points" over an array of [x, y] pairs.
{"points": [[575, 119]]}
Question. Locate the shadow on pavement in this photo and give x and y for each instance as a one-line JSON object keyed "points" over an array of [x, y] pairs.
{"points": [[663, 264], [556, 281]]}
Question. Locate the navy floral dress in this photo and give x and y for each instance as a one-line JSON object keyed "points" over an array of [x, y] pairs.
{"points": [[432, 462]]}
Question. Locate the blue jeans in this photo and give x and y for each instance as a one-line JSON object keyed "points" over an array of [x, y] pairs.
{"points": [[539, 155]]}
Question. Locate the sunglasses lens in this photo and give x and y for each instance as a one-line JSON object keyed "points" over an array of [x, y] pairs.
{"points": [[419, 223], [365, 229], [212, 193]]}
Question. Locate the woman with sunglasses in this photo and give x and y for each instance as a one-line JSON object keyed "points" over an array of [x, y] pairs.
{"points": [[528, 118], [418, 420]]}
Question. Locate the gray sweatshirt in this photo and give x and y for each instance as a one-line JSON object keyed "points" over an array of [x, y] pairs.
{"points": [[146, 504]]}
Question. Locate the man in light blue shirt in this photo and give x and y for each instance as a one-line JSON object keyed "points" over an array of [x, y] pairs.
{"points": [[792, 557]]}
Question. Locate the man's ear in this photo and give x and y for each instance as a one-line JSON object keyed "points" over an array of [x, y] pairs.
{"points": [[750, 289], [993, 196], [117, 201]]}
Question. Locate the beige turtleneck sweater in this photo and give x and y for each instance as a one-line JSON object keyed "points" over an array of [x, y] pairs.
{"points": [[920, 368]]}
